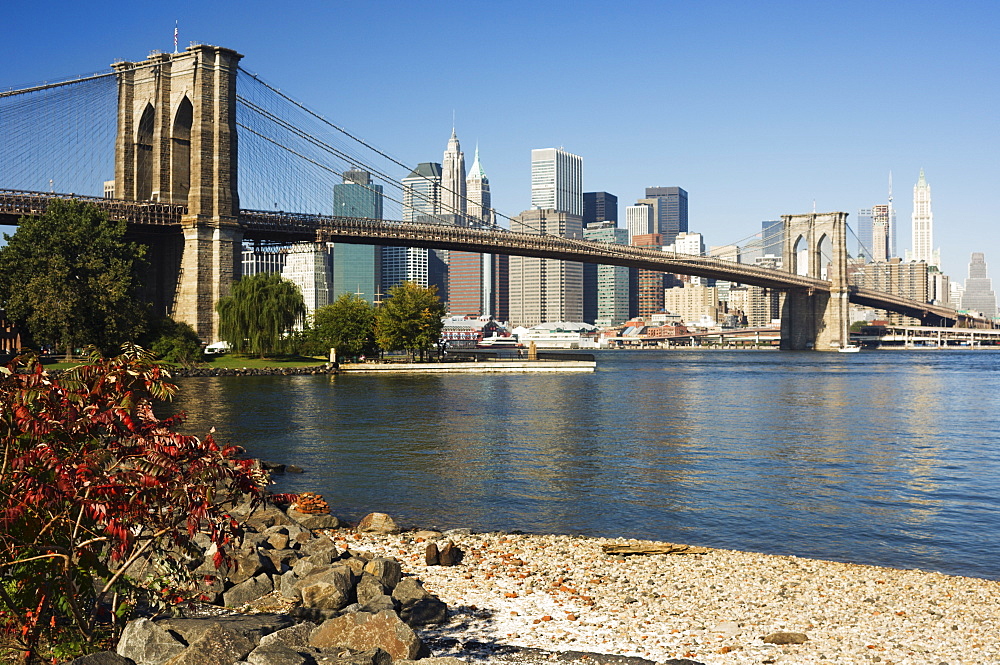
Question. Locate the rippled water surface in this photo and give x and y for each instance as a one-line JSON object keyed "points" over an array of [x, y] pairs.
{"points": [[889, 458]]}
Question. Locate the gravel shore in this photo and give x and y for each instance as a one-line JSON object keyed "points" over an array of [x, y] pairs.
{"points": [[516, 593]]}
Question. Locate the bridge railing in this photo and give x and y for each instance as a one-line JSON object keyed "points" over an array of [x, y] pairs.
{"points": [[19, 203]]}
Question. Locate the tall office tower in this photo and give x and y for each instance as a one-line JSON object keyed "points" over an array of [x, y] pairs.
{"points": [[421, 203], [605, 288], [772, 236], [599, 207], [650, 281], [477, 283], [671, 213], [557, 181], [307, 265], [545, 290], [453, 186], [640, 219], [357, 268], [978, 295], [864, 233], [479, 204], [882, 221], [923, 225]]}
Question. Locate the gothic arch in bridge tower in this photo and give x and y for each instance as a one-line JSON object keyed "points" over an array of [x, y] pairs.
{"points": [[180, 152], [815, 245], [143, 155], [177, 144]]}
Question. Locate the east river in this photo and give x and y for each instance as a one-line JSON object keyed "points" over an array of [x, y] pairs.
{"points": [[881, 457]]}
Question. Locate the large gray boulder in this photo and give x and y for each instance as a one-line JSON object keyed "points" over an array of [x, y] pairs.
{"points": [[385, 570], [369, 587], [279, 654], [332, 588], [378, 523], [248, 591], [216, 646], [362, 631], [147, 643], [307, 521], [254, 627]]}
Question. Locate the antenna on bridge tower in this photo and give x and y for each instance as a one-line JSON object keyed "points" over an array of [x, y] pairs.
{"points": [[175, 36]]}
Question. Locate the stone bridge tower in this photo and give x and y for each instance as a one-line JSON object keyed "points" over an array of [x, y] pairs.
{"points": [[815, 245], [176, 144]]}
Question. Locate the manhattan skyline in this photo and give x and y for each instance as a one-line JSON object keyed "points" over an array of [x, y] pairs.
{"points": [[756, 111]]}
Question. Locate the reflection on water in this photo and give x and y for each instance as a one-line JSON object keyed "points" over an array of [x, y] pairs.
{"points": [[885, 458]]}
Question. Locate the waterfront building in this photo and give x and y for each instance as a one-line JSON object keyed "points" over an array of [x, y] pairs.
{"points": [[605, 288], [923, 225], [694, 303], [671, 211], [307, 265], [557, 181], [477, 283], [357, 269], [978, 295], [543, 290], [599, 207], [650, 281], [421, 203]]}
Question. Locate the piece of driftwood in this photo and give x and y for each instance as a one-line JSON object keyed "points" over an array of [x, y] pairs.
{"points": [[652, 548]]}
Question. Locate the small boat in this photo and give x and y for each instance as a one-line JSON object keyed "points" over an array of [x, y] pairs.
{"points": [[498, 343], [849, 348]]}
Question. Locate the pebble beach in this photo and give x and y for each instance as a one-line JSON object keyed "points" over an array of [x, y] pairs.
{"points": [[564, 594]]}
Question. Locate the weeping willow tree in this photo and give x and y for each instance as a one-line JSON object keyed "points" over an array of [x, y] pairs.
{"points": [[260, 311]]}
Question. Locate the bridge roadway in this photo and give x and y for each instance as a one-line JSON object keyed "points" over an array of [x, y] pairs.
{"points": [[297, 227]]}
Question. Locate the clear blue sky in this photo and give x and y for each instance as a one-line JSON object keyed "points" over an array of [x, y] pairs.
{"points": [[755, 108]]}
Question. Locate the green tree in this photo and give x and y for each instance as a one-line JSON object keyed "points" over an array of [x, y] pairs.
{"points": [[260, 311], [73, 280], [175, 342], [410, 319], [347, 325]]}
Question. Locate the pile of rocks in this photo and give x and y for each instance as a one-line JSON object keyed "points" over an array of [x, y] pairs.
{"points": [[335, 605]]}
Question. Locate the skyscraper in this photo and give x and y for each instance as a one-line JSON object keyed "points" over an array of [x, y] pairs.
{"points": [[772, 237], [546, 290], [477, 283], [650, 282], [557, 181], [421, 203], [453, 186], [599, 207], [357, 268], [479, 200], [640, 219], [883, 218], [923, 225], [606, 289], [671, 213], [979, 295]]}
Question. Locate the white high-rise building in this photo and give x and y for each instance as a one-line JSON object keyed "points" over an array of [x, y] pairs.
{"points": [[307, 265], [923, 225], [453, 181], [557, 181], [639, 220], [477, 186]]}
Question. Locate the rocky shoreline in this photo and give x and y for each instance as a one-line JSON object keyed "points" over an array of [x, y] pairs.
{"points": [[309, 590]]}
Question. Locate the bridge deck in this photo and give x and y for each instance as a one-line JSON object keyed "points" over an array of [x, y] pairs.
{"points": [[295, 227]]}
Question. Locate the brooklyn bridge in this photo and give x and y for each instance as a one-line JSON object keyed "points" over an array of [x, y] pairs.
{"points": [[189, 131]]}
